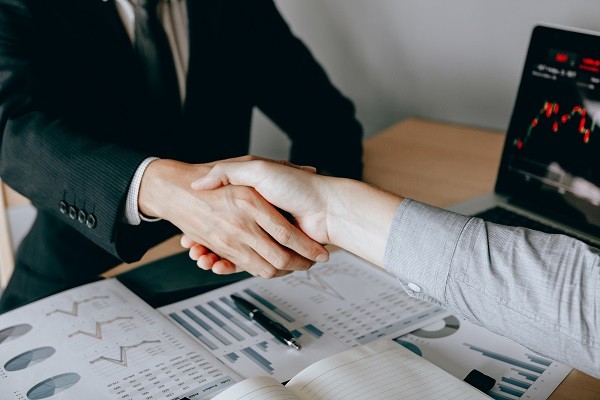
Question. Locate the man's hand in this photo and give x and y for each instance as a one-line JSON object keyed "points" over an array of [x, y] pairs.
{"points": [[303, 194], [234, 222], [349, 214]]}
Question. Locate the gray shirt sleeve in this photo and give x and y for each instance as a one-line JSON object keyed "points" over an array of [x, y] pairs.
{"points": [[540, 290]]}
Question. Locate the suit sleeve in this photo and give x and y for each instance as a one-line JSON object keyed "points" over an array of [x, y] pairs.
{"points": [[294, 91], [50, 159]]}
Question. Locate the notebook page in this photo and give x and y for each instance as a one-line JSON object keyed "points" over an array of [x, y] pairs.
{"points": [[377, 371], [259, 388]]}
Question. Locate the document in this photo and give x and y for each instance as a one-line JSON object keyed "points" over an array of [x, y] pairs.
{"points": [[101, 341], [332, 307], [377, 371]]}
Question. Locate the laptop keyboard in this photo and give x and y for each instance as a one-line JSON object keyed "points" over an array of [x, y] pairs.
{"points": [[503, 216]]}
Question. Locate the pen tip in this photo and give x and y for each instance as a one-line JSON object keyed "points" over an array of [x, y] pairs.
{"points": [[296, 345]]}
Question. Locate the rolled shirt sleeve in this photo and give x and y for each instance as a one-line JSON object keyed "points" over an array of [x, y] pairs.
{"points": [[540, 290]]}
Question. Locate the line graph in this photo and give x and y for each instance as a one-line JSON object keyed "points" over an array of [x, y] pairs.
{"points": [[316, 282], [75, 308], [577, 117], [122, 360], [98, 332]]}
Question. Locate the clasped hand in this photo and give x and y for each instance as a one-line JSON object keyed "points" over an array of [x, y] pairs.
{"points": [[229, 228]]}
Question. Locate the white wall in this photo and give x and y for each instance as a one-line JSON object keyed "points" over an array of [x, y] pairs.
{"points": [[450, 60]]}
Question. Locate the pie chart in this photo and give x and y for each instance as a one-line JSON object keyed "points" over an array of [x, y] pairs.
{"points": [[14, 332], [451, 325], [52, 386], [29, 358]]}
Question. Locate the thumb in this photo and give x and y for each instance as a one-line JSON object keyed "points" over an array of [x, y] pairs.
{"points": [[215, 178], [244, 173]]}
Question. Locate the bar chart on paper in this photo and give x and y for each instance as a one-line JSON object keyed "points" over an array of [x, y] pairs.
{"points": [[334, 306], [458, 347]]}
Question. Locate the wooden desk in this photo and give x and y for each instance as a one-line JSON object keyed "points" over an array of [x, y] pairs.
{"points": [[439, 164]]}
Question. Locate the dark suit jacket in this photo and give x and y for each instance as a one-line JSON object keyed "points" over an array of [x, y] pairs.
{"points": [[75, 124]]}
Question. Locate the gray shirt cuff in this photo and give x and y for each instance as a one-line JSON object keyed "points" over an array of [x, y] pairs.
{"points": [[420, 248]]}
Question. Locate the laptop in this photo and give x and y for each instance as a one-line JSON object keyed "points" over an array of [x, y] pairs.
{"points": [[549, 175]]}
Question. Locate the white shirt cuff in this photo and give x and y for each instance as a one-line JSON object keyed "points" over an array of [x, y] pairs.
{"points": [[132, 210]]}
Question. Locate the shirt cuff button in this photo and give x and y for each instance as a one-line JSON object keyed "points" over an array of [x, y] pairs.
{"points": [[414, 287]]}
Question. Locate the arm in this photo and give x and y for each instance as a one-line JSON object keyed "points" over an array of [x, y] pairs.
{"points": [[50, 158], [293, 90], [538, 289]]}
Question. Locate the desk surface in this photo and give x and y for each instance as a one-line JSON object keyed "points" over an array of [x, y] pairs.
{"points": [[439, 164]]}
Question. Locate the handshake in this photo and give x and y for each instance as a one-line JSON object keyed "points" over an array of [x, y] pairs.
{"points": [[229, 212]]}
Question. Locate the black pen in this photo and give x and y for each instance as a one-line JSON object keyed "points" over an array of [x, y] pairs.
{"points": [[279, 331]]}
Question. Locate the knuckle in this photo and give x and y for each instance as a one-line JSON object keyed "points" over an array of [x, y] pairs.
{"points": [[313, 252], [237, 227], [283, 234], [268, 272], [223, 240], [217, 168], [245, 199], [281, 260]]}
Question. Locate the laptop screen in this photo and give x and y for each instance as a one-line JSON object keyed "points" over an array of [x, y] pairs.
{"points": [[551, 158]]}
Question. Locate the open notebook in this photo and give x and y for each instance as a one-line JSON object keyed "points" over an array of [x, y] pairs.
{"points": [[376, 371]]}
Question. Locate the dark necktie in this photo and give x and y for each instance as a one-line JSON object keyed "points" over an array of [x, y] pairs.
{"points": [[154, 53]]}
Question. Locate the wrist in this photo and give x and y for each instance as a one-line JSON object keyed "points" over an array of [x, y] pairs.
{"points": [[162, 182], [359, 217], [337, 212]]}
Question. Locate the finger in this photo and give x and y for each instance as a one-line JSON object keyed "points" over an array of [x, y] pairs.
{"points": [[224, 267], [256, 265], [244, 173], [206, 261], [280, 257], [198, 251], [308, 168], [186, 242], [215, 178], [288, 235], [247, 157]]}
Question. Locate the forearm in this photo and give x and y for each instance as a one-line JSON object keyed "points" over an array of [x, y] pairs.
{"points": [[65, 164], [540, 290], [51, 162], [359, 217]]}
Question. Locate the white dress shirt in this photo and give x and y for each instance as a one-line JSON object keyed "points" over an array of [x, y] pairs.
{"points": [[174, 18]]}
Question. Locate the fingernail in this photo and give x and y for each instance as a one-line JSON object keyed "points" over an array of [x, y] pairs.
{"points": [[322, 258], [196, 183]]}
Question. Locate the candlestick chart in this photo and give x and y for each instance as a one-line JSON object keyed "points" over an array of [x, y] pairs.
{"points": [[551, 118]]}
